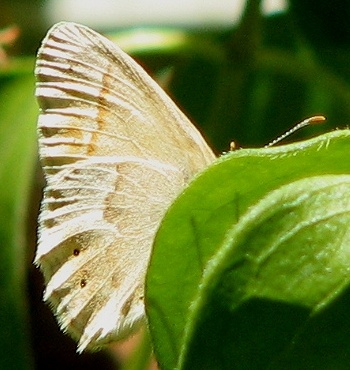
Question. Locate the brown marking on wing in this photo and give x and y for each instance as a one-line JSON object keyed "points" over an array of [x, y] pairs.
{"points": [[116, 281], [101, 117], [111, 212], [127, 305]]}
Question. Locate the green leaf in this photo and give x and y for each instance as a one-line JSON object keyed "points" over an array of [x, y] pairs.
{"points": [[286, 260], [194, 232], [18, 112]]}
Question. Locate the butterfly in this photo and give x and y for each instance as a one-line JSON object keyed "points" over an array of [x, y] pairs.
{"points": [[116, 151]]}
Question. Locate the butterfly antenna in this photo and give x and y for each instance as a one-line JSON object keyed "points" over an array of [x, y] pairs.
{"points": [[307, 122]]}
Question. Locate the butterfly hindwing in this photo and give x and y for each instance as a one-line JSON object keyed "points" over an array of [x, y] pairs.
{"points": [[116, 151]]}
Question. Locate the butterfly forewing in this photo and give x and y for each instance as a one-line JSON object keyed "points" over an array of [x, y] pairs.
{"points": [[116, 151]]}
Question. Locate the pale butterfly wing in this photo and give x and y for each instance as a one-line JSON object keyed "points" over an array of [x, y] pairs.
{"points": [[116, 151]]}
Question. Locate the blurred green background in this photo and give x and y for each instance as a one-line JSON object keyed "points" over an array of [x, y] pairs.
{"points": [[247, 82]]}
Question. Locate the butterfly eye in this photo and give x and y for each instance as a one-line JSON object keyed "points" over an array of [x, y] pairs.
{"points": [[76, 252]]}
